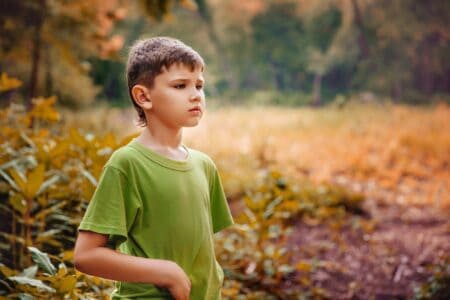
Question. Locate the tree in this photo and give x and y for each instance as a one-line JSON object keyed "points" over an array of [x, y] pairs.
{"points": [[409, 48], [322, 53], [62, 36], [280, 40], [62, 31]]}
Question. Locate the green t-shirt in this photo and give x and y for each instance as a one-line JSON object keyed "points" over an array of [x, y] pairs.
{"points": [[156, 207]]}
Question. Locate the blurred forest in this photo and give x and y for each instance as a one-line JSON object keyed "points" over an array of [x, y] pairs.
{"points": [[344, 196], [264, 51]]}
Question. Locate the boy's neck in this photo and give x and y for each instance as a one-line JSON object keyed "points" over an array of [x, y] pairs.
{"points": [[161, 139]]}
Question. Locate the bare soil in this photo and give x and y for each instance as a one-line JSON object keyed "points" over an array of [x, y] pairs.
{"points": [[386, 263]]}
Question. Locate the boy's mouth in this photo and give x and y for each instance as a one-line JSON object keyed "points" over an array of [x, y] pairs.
{"points": [[197, 108]]}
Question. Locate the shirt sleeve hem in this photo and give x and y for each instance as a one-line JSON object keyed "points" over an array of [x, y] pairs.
{"points": [[103, 229]]}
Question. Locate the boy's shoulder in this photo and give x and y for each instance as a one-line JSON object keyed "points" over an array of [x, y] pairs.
{"points": [[127, 154], [201, 156], [121, 157]]}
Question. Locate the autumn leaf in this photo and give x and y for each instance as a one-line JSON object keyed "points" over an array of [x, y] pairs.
{"points": [[8, 83]]}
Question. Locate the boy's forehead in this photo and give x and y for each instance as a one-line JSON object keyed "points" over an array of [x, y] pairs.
{"points": [[180, 70]]}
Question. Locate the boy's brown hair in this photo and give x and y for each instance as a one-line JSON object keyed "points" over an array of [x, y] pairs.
{"points": [[148, 58]]}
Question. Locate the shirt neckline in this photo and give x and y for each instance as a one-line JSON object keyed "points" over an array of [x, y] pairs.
{"points": [[180, 165]]}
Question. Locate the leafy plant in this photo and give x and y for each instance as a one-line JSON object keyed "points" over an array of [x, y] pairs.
{"points": [[254, 253], [437, 287], [48, 173]]}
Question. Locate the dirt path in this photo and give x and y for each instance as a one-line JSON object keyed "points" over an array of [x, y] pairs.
{"points": [[384, 264]]}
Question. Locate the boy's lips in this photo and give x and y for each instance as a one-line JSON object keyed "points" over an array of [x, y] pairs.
{"points": [[197, 108]]}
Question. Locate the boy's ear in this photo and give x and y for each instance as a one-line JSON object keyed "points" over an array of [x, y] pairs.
{"points": [[141, 96]]}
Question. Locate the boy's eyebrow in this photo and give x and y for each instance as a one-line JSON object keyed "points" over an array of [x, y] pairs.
{"points": [[186, 79]]}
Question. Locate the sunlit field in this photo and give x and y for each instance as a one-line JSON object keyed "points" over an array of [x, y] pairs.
{"points": [[396, 156], [391, 153]]}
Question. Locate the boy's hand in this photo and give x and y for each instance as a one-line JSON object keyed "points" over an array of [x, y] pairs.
{"points": [[178, 282]]}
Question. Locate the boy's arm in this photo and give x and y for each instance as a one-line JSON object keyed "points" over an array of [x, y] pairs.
{"points": [[91, 256]]}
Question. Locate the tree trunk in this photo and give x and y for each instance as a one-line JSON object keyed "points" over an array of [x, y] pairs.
{"points": [[35, 57], [426, 84], [317, 100], [362, 41], [36, 53], [396, 91], [205, 14], [48, 72]]}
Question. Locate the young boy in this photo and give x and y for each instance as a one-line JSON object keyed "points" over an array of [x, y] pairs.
{"points": [[158, 201]]}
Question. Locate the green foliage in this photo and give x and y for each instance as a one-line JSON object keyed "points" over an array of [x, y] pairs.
{"points": [[162, 8], [437, 286], [280, 40], [63, 36], [254, 253], [48, 173], [60, 35], [43, 280], [322, 28], [397, 49], [409, 49]]}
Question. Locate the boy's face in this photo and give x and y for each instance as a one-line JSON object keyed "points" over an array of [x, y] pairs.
{"points": [[177, 97]]}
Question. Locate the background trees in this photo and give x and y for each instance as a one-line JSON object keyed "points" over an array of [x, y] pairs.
{"points": [[320, 49]]}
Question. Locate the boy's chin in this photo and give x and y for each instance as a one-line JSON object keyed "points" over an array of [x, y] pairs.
{"points": [[191, 124]]}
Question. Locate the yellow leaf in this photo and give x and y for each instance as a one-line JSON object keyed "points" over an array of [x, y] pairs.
{"points": [[18, 179], [230, 292], [7, 271], [189, 4], [43, 109], [8, 83], [62, 271], [67, 284], [67, 255], [303, 266], [60, 148], [18, 203], [35, 180], [109, 140]]}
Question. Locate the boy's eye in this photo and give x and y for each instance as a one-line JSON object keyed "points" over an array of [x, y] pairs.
{"points": [[199, 87], [180, 86]]}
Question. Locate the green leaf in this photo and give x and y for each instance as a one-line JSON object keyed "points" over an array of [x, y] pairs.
{"points": [[24, 296], [47, 235], [49, 210], [49, 182], [42, 260], [29, 272], [9, 180], [13, 238], [89, 176], [33, 282]]}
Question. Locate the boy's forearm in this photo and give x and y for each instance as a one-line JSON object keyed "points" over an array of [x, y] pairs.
{"points": [[110, 264]]}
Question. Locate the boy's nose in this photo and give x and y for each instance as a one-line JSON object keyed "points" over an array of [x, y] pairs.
{"points": [[196, 96]]}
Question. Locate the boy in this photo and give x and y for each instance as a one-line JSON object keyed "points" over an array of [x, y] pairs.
{"points": [[158, 201]]}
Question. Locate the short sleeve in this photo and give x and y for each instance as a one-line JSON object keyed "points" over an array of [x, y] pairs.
{"points": [[111, 209], [221, 215]]}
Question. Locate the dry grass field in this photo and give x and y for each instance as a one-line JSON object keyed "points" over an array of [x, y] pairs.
{"points": [[395, 153]]}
